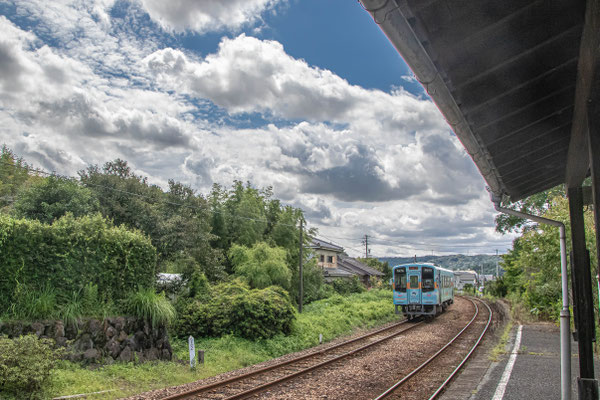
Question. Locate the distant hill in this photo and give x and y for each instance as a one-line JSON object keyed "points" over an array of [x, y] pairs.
{"points": [[453, 262]]}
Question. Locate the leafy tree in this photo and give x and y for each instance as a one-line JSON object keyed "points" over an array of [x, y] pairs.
{"points": [[184, 238], [14, 173], [177, 221], [379, 266], [50, 198], [536, 204], [262, 265], [124, 197], [533, 265], [245, 215]]}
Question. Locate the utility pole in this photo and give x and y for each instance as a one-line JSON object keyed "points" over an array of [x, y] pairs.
{"points": [[301, 275], [366, 243]]}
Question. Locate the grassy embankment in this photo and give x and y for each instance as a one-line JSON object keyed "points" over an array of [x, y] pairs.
{"points": [[332, 317]]}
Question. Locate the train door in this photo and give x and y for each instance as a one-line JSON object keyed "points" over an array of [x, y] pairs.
{"points": [[414, 285]]}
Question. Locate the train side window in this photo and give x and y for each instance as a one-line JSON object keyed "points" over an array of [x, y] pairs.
{"points": [[400, 279], [427, 279]]}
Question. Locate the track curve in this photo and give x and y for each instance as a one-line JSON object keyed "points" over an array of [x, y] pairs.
{"points": [[472, 333]]}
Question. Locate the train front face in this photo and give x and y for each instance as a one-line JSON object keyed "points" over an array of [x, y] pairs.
{"points": [[415, 291]]}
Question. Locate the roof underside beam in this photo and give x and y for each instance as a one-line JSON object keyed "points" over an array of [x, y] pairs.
{"points": [[588, 71], [392, 17]]}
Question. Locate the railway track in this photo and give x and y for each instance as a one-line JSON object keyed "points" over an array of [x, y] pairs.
{"points": [[429, 379], [253, 382]]}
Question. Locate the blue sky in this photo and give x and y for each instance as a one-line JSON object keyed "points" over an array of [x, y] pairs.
{"points": [[306, 96]]}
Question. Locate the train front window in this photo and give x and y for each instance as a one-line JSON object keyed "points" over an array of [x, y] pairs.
{"points": [[427, 279], [400, 279], [414, 282]]}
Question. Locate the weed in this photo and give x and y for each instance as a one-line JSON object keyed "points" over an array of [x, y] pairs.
{"points": [[153, 307], [500, 348]]}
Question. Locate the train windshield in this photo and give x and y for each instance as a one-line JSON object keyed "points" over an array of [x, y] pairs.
{"points": [[400, 279], [427, 279]]}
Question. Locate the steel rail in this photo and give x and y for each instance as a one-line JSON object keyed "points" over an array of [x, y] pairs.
{"points": [[204, 388], [487, 325], [316, 366], [424, 364]]}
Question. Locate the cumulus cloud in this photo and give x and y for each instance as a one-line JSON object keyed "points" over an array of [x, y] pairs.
{"points": [[251, 75], [84, 85], [207, 15]]}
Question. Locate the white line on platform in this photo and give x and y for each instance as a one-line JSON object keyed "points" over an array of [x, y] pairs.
{"points": [[509, 367]]}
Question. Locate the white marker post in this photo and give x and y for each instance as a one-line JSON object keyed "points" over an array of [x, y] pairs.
{"points": [[192, 352]]}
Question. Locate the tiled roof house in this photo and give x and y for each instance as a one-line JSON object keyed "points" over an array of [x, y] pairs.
{"points": [[335, 264]]}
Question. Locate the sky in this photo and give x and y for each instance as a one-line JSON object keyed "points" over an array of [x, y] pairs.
{"points": [[306, 96]]}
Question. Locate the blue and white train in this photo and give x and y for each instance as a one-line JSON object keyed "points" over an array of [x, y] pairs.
{"points": [[422, 289]]}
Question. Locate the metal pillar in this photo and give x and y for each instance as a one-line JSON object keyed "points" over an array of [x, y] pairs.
{"points": [[565, 317], [582, 297]]}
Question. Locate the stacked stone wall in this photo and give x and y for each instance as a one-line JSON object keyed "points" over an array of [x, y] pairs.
{"points": [[99, 341]]}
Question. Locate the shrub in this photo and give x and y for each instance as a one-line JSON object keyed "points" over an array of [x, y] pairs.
{"points": [[71, 252], [25, 367], [347, 286], [234, 308], [150, 306]]}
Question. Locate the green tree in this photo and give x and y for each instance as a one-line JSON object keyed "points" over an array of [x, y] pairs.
{"points": [[533, 265], [50, 198], [245, 214], [261, 265], [184, 238], [536, 204], [14, 173], [177, 222], [379, 266]]}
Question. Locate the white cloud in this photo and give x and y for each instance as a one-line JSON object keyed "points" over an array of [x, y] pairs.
{"points": [[207, 15], [83, 88], [252, 75]]}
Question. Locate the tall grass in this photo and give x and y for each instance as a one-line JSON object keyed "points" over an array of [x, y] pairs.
{"points": [[153, 307], [72, 310], [30, 304]]}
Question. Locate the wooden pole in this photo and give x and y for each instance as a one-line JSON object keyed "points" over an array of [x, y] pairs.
{"points": [[582, 288]]}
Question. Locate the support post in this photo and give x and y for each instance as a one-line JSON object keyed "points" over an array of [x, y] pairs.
{"points": [[565, 324], [300, 272], [582, 297]]}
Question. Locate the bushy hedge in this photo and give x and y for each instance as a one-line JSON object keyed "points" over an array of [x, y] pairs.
{"points": [[70, 253], [25, 367], [234, 308]]}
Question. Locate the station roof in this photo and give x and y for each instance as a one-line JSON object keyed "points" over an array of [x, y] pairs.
{"points": [[510, 77]]}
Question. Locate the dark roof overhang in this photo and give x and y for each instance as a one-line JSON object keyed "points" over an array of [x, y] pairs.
{"points": [[510, 77]]}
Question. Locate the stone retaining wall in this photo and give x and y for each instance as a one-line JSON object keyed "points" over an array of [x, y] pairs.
{"points": [[100, 341]]}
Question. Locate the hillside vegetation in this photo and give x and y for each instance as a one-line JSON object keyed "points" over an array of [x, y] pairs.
{"points": [[455, 262]]}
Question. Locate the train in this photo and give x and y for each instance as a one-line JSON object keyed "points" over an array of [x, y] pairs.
{"points": [[422, 289]]}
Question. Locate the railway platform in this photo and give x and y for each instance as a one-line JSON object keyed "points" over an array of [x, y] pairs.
{"points": [[535, 371]]}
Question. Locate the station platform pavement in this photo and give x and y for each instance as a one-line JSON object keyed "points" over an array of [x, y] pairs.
{"points": [[535, 373]]}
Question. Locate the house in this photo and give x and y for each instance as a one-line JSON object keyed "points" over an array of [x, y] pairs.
{"points": [[327, 253], [336, 264], [462, 278], [363, 271]]}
